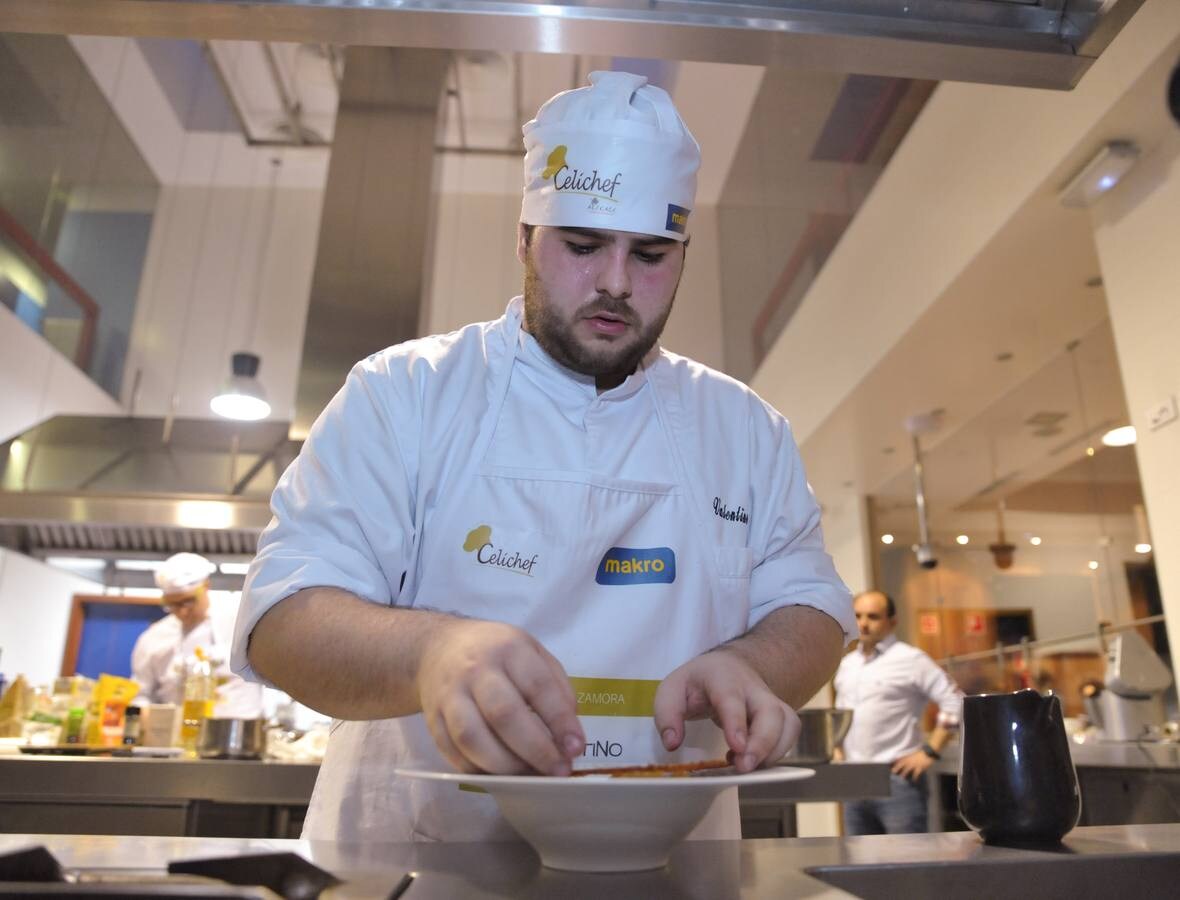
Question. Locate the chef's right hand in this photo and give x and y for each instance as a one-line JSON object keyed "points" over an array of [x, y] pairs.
{"points": [[496, 701]]}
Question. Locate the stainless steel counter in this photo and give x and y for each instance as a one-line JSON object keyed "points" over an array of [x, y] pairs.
{"points": [[1097, 754], [119, 795], [241, 798], [956, 863], [1121, 783], [101, 778]]}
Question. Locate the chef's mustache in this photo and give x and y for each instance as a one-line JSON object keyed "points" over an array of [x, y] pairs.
{"points": [[611, 305]]}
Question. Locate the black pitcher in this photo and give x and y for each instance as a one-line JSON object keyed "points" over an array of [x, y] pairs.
{"points": [[1017, 782]]}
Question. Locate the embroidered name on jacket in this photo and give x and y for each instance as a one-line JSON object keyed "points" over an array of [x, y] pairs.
{"points": [[730, 515], [479, 542], [625, 565]]}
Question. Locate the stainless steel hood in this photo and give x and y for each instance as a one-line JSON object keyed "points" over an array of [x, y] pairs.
{"points": [[153, 486], [1036, 43]]}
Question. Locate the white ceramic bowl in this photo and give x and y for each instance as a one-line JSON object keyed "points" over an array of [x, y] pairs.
{"points": [[595, 823]]}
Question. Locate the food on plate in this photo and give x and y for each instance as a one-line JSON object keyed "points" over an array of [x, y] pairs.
{"points": [[665, 770]]}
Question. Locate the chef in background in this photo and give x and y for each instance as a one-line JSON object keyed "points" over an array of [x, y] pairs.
{"points": [[161, 654]]}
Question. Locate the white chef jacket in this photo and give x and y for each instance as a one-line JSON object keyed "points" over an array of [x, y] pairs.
{"points": [[888, 691], [159, 655], [356, 508]]}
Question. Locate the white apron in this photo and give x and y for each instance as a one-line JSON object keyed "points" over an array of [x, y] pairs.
{"points": [[617, 579]]}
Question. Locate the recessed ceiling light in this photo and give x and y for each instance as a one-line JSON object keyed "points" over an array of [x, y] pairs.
{"points": [[1143, 548], [1093, 564], [886, 539], [1123, 436], [1035, 541], [1089, 451], [962, 539]]}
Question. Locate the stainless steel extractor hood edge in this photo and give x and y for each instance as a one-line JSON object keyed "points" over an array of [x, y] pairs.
{"points": [[1048, 44]]}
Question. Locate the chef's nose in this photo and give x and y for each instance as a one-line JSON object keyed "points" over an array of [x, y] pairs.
{"points": [[614, 278]]}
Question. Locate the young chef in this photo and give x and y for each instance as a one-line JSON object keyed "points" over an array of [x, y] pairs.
{"points": [[544, 542], [161, 653]]}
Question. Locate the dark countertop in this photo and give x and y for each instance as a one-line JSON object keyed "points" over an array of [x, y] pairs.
{"points": [[708, 870]]}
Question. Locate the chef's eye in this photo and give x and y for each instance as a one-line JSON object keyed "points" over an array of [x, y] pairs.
{"points": [[649, 258], [581, 249]]}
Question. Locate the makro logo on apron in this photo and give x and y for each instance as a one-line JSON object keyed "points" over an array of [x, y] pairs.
{"points": [[479, 542], [626, 565]]}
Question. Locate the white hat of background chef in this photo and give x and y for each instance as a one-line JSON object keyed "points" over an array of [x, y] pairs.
{"points": [[613, 155], [183, 572]]}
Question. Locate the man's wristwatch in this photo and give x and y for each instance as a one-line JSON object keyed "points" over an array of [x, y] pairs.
{"points": [[931, 752]]}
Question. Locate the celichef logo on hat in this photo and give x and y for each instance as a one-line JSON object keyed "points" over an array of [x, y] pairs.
{"points": [[479, 542], [570, 180], [624, 565]]}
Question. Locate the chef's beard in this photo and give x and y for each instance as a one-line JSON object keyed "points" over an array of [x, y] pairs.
{"points": [[604, 359]]}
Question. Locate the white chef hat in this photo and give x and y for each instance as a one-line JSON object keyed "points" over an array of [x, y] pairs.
{"points": [[183, 572], [612, 155]]}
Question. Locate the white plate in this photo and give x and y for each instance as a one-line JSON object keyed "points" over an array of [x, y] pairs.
{"points": [[596, 823]]}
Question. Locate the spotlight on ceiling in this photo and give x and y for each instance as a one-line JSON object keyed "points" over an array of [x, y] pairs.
{"points": [[1102, 172], [962, 540], [886, 539], [1123, 436], [1035, 541]]}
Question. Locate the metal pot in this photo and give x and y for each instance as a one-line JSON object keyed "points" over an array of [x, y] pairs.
{"points": [[232, 739], [823, 730]]}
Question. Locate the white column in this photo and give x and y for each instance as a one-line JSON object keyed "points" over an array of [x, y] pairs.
{"points": [[1137, 231]]}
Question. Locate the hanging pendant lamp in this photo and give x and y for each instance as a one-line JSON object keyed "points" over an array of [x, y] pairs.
{"points": [[242, 397]]}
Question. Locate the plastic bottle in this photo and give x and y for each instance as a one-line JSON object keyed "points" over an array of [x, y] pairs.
{"points": [[132, 727], [199, 694]]}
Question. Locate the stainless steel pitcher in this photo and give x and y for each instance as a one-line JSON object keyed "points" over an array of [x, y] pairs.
{"points": [[823, 730]]}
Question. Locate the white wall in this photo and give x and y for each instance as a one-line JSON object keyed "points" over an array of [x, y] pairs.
{"points": [[1054, 579], [202, 286], [38, 383], [474, 272], [846, 535], [35, 602], [1137, 232]]}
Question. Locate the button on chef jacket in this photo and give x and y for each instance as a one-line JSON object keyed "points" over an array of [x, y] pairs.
{"points": [[628, 531]]}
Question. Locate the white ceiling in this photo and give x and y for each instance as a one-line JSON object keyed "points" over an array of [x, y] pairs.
{"points": [[1028, 292]]}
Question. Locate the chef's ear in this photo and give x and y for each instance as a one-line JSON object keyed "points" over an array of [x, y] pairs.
{"points": [[523, 233]]}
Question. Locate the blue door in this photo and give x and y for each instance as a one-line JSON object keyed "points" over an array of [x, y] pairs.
{"points": [[109, 632]]}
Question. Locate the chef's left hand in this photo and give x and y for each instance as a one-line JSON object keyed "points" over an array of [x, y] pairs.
{"points": [[721, 686], [912, 765]]}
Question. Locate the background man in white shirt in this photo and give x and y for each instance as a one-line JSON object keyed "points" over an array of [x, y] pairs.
{"points": [[888, 683]]}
